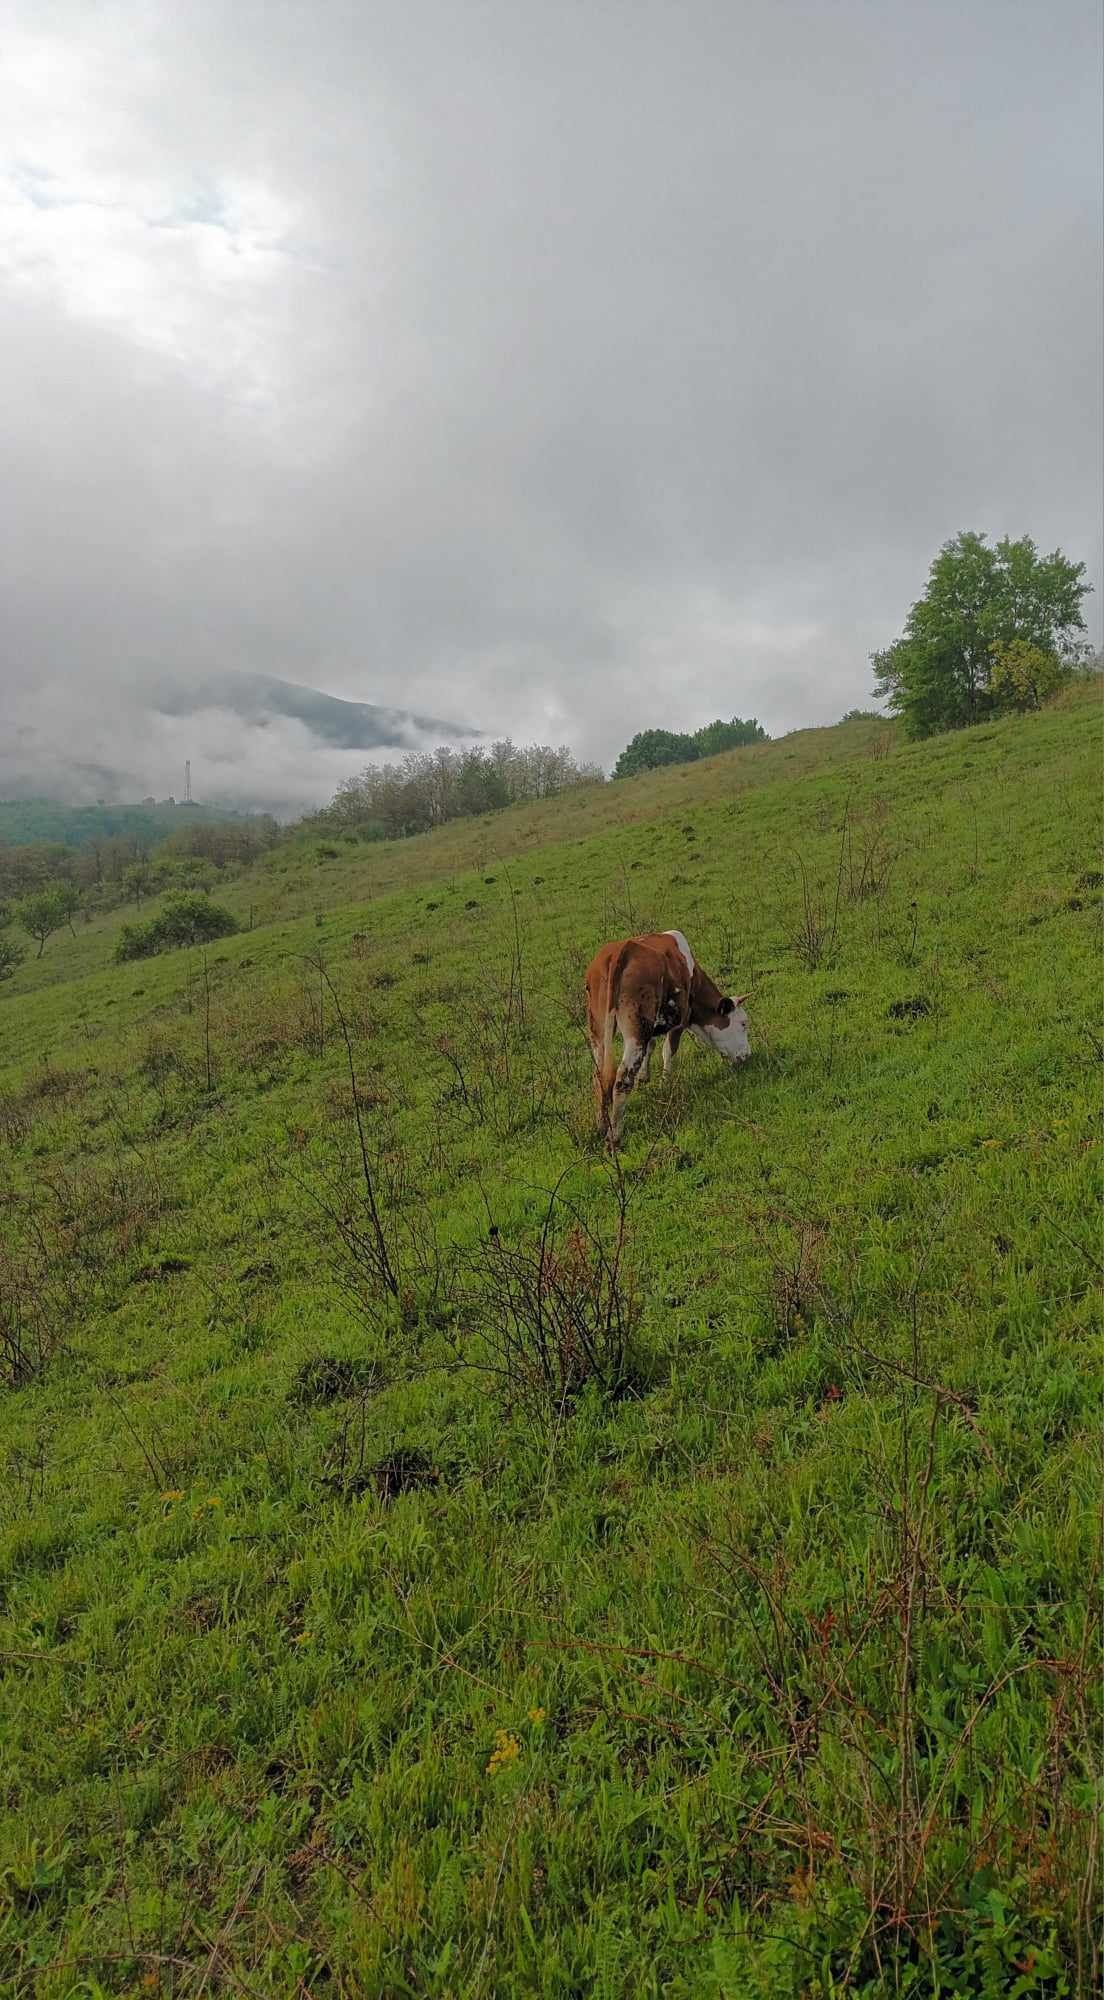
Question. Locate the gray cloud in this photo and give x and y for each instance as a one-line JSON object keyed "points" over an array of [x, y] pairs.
{"points": [[563, 370]]}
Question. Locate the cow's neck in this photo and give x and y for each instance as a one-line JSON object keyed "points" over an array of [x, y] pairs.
{"points": [[705, 997]]}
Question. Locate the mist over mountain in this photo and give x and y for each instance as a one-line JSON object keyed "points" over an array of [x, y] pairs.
{"points": [[261, 699], [253, 740]]}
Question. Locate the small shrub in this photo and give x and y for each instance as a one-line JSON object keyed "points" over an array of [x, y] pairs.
{"points": [[812, 921], [1024, 676], [11, 957], [16, 1117], [868, 856], [557, 1311], [382, 1242], [135, 941], [795, 1280], [184, 920]]}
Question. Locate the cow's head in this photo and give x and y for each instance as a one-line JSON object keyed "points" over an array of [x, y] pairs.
{"points": [[726, 1030]]}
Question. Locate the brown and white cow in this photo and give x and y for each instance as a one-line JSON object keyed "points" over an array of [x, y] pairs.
{"points": [[642, 989]]}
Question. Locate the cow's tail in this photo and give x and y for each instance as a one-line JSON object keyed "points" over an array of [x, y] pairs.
{"points": [[608, 1065]]}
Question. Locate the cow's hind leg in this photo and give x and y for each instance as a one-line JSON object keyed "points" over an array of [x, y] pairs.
{"points": [[635, 1048], [670, 1050], [596, 1079]]}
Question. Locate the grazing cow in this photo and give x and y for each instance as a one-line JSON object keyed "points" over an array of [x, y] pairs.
{"points": [[641, 989]]}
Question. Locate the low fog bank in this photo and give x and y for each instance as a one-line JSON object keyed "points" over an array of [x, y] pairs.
{"points": [[109, 744]]}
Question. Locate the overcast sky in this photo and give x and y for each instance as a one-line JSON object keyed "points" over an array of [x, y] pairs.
{"points": [[564, 366]]}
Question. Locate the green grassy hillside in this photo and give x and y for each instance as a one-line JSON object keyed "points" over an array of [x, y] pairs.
{"points": [[436, 1561], [311, 873]]}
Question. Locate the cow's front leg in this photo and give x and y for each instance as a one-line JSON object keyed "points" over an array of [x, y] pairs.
{"points": [[623, 1082], [646, 1065], [670, 1050]]}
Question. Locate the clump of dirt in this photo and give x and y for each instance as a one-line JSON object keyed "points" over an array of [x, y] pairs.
{"points": [[909, 1010], [402, 1471], [330, 1378], [162, 1267]]}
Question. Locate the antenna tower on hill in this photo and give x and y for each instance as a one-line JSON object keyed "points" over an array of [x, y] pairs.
{"points": [[187, 781]]}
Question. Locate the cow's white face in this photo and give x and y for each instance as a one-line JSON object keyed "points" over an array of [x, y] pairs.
{"points": [[727, 1032]]}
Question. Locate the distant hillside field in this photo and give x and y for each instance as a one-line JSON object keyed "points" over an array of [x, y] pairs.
{"points": [[439, 1561]]}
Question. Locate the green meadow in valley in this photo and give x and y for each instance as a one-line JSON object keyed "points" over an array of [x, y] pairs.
{"points": [[438, 1560]]}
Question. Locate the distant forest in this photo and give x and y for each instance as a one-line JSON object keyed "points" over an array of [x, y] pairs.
{"points": [[26, 822], [428, 788], [109, 854], [392, 801]]}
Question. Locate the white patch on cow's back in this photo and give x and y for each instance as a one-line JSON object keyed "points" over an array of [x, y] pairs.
{"points": [[684, 950]]}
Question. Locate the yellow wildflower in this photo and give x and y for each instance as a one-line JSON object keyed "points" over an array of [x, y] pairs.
{"points": [[506, 1751], [174, 1493], [537, 1714]]}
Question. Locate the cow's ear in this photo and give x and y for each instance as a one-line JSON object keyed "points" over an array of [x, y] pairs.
{"points": [[726, 1007]]}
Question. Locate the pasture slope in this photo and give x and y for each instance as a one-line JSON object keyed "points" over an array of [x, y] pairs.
{"points": [[436, 1562]]}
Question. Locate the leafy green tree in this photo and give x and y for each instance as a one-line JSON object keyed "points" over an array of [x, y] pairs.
{"points": [[191, 872], [47, 911], [939, 674], [138, 881], [479, 787], [718, 736], [652, 748], [655, 747], [68, 900]]}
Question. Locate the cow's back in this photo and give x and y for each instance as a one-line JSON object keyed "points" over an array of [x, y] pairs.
{"points": [[641, 969]]}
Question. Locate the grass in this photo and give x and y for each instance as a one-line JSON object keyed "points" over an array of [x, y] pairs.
{"points": [[363, 1630], [311, 874]]}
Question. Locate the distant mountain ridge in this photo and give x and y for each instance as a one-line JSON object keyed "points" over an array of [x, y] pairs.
{"points": [[343, 725], [254, 741]]}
